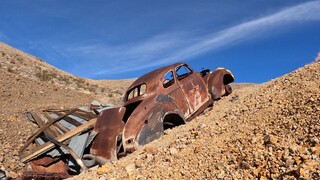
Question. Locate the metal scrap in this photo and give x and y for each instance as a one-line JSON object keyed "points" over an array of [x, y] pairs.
{"points": [[61, 140]]}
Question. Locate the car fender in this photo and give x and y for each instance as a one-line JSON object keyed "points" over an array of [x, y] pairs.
{"points": [[218, 83], [150, 125]]}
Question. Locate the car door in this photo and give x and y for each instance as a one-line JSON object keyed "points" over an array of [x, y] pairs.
{"points": [[192, 86], [171, 88]]}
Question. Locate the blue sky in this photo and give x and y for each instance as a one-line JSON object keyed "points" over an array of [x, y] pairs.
{"points": [[258, 40]]}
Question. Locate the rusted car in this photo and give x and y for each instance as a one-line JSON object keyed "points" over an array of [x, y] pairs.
{"points": [[161, 99]]}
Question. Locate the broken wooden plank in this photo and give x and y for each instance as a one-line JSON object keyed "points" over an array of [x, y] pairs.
{"points": [[45, 126], [47, 146], [57, 110], [48, 132], [62, 128], [36, 118], [57, 124]]}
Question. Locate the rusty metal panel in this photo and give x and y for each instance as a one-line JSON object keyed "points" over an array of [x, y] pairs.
{"points": [[58, 167], [108, 127]]}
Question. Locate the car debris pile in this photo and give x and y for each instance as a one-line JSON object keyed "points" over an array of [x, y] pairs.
{"points": [[60, 142], [161, 99]]}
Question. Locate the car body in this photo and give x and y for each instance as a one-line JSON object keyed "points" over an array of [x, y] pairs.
{"points": [[161, 99]]}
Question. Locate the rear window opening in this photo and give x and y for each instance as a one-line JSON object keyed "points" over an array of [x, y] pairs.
{"points": [[136, 91]]}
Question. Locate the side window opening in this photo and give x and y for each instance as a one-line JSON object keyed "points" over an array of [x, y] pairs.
{"points": [[137, 91], [183, 72], [168, 79]]}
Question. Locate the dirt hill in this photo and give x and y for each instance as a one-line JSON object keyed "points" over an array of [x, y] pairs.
{"points": [[267, 131], [22, 64]]}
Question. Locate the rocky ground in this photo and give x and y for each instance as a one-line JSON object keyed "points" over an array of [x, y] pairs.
{"points": [[268, 131]]}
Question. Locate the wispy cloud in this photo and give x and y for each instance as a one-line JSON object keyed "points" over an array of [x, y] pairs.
{"points": [[182, 45]]}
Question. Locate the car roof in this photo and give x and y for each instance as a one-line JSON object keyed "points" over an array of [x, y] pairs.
{"points": [[154, 76]]}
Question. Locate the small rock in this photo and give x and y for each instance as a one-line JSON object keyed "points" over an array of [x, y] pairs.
{"points": [[130, 167], [273, 139], [173, 151], [256, 171], [289, 161], [148, 159], [151, 150], [301, 172], [13, 118], [13, 175], [297, 160], [263, 178], [139, 163], [244, 165], [304, 157], [221, 175]]}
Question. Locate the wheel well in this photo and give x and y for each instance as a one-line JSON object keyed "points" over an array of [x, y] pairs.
{"points": [[172, 120], [227, 78]]}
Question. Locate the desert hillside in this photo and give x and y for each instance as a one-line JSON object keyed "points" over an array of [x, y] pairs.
{"points": [[264, 131], [16, 62], [267, 131]]}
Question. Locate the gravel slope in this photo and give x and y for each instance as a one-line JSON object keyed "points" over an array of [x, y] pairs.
{"points": [[268, 131]]}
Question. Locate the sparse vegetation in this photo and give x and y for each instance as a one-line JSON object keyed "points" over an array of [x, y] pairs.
{"points": [[118, 92], [65, 79], [3, 54], [20, 59], [45, 75], [40, 59], [10, 70], [103, 89], [80, 83], [84, 85]]}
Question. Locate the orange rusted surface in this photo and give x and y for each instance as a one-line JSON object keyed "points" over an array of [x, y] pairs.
{"points": [[58, 167]]}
